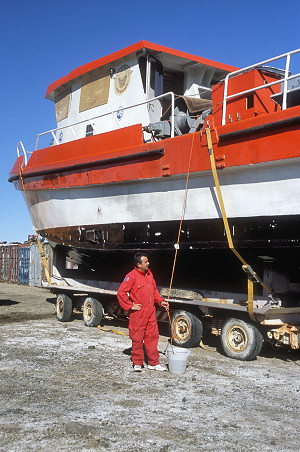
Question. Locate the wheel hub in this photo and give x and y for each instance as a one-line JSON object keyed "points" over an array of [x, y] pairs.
{"points": [[237, 339], [182, 329], [60, 307], [88, 311]]}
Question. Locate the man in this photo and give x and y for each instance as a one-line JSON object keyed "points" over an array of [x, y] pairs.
{"points": [[137, 294]]}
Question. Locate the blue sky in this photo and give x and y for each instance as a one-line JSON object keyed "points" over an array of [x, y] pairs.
{"points": [[43, 40]]}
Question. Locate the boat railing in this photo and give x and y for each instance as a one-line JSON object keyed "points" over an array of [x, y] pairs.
{"points": [[53, 132], [21, 150], [284, 80]]}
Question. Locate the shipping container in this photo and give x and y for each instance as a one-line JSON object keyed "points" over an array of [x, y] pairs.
{"points": [[35, 266], [4, 262], [9, 263], [24, 263], [13, 267]]}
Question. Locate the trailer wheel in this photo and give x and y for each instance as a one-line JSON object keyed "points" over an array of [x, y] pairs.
{"points": [[187, 329], [64, 307], [241, 340], [92, 312]]}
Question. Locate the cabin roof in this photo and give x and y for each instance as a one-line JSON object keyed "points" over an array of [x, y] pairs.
{"points": [[81, 70]]}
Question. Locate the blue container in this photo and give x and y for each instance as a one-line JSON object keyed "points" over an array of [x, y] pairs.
{"points": [[24, 265]]}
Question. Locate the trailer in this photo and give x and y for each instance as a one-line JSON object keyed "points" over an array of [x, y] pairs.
{"points": [[194, 313]]}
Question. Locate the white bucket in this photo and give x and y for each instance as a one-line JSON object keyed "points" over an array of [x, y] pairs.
{"points": [[177, 358]]}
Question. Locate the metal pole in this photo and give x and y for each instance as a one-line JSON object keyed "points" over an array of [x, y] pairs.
{"points": [[286, 74]]}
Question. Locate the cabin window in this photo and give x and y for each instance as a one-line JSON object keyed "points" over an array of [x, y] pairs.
{"points": [[62, 104], [94, 90], [89, 130], [174, 82], [143, 71], [156, 77]]}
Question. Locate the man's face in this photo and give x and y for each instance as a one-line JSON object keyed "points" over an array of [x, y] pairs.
{"points": [[144, 265]]}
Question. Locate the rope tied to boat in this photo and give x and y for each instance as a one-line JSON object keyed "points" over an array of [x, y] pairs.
{"points": [[251, 275], [176, 245]]}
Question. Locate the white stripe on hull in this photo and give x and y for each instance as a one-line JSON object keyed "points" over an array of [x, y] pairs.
{"points": [[252, 191]]}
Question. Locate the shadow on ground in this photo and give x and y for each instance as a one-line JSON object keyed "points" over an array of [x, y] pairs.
{"points": [[8, 302]]}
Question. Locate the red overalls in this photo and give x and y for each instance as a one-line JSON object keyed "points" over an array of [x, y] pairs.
{"points": [[140, 287]]}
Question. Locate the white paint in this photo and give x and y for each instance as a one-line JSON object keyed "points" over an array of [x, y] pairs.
{"points": [[107, 123], [252, 191]]}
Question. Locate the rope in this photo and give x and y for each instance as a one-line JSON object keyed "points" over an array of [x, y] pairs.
{"points": [[179, 233], [21, 179], [106, 330], [220, 197], [251, 275]]}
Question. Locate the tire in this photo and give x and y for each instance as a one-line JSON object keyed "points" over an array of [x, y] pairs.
{"points": [[187, 329], [64, 307], [92, 312], [241, 340]]}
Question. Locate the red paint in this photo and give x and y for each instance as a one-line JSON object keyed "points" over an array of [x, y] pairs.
{"points": [[106, 145], [17, 165], [240, 108], [262, 147]]}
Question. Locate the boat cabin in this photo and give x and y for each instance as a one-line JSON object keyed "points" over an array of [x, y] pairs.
{"points": [[141, 84]]}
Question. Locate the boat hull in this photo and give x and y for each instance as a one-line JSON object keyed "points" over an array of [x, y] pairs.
{"points": [[262, 203]]}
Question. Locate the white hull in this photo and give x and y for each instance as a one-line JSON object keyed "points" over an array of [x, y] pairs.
{"points": [[251, 191]]}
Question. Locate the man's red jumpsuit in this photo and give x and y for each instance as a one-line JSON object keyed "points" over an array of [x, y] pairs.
{"points": [[140, 287]]}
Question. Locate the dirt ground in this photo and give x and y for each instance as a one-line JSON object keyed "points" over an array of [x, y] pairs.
{"points": [[66, 387]]}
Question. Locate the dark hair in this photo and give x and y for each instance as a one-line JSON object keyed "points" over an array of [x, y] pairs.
{"points": [[137, 258]]}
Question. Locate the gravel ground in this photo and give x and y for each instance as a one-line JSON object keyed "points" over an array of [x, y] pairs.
{"points": [[66, 387]]}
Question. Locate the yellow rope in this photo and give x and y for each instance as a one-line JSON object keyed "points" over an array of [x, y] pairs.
{"points": [[121, 333], [245, 266]]}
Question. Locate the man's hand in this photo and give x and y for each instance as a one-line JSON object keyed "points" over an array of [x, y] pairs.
{"points": [[165, 304], [136, 307]]}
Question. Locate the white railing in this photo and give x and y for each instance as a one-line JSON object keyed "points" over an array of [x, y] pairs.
{"points": [[283, 80], [21, 150], [53, 132]]}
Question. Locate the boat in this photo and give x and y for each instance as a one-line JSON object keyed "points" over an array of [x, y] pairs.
{"points": [[159, 150]]}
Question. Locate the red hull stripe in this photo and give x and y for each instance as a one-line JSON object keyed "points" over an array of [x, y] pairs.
{"points": [[110, 161], [263, 146]]}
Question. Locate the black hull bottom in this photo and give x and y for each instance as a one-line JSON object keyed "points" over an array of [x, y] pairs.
{"points": [[247, 233], [271, 246], [207, 269]]}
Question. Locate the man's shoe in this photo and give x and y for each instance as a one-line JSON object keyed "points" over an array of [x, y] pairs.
{"points": [[136, 368], [158, 367]]}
